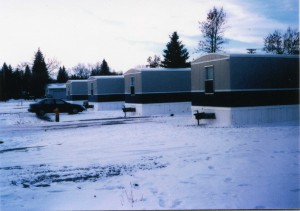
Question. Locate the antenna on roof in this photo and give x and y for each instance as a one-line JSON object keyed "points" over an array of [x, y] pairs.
{"points": [[251, 50]]}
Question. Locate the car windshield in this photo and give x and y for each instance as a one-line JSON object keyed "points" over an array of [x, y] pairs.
{"points": [[60, 102], [47, 101]]}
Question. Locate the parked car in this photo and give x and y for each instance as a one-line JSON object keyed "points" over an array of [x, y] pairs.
{"points": [[49, 105]]}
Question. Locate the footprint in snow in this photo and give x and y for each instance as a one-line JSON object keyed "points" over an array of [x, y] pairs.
{"points": [[243, 185], [161, 202], [176, 203], [211, 167], [228, 179]]}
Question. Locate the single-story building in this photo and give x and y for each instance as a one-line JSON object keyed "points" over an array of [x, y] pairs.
{"points": [[56, 90], [154, 91], [77, 90], [106, 92], [241, 89]]}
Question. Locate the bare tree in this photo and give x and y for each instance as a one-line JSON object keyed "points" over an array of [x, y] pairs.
{"points": [[273, 43], [81, 71], [278, 43], [155, 62], [291, 41], [53, 66], [23, 65], [213, 31]]}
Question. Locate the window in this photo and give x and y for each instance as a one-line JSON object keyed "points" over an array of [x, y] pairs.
{"points": [[48, 101], [132, 85], [61, 102], [132, 81], [92, 89], [209, 79], [209, 73]]}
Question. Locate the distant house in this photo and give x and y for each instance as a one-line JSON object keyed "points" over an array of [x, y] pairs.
{"points": [[106, 92], [56, 90], [154, 91], [246, 89], [77, 90]]}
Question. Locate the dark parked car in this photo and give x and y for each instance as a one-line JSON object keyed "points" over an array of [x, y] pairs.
{"points": [[49, 105]]}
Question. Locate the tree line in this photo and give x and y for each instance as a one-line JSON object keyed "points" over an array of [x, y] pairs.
{"points": [[29, 81], [32, 80]]}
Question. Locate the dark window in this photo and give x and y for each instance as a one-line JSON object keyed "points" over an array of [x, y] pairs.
{"points": [[48, 101], [209, 80], [61, 102], [132, 85], [92, 89], [132, 81], [132, 91]]}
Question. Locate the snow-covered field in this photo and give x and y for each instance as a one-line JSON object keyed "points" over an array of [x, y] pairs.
{"points": [[99, 160]]}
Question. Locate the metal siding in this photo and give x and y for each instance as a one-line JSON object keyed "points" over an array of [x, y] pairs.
{"points": [[57, 93], [166, 81], [221, 75], [246, 98], [264, 72], [158, 98], [68, 88], [138, 82], [110, 86], [90, 82], [79, 88], [127, 84]]}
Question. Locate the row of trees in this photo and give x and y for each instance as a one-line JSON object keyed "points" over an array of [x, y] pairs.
{"points": [[81, 71], [31, 81], [19, 83]]}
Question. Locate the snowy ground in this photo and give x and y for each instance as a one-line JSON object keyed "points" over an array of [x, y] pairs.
{"points": [[99, 160]]}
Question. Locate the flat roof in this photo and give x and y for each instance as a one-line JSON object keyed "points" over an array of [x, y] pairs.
{"points": [[140, 70], [226, 56], [56, 86], [76, 81], [106, 77]]}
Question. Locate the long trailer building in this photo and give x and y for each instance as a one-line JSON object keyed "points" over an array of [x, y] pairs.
{"points": [[244, 89], [154, 91], [106, 92], [77, 90]]}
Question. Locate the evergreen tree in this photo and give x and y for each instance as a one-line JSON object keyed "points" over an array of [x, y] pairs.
{"points": [[40, 75], [104, 69], [6, 83], [62, 76], [176, 55], [27, 81], [17, 84]]}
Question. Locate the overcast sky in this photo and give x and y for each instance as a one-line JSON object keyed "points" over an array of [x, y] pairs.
{"points": [[126, 32]]}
